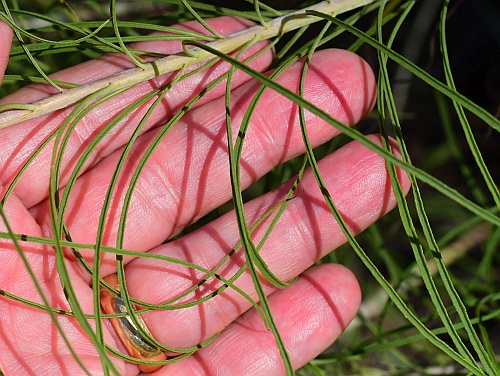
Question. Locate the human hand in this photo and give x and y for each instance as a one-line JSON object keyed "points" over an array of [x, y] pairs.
{"points": [[186, 177]]}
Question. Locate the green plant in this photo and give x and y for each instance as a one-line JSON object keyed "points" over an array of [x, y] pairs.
{"points": [[431, 309]]}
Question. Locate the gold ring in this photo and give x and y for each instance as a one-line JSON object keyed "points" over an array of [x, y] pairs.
{"points": [[137, 346]]}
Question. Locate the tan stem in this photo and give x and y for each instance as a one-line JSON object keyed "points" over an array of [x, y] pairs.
{"points": [[173, 63]]}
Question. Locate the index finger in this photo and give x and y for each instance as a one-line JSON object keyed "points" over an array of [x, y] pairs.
{"points": [[22, 140]]}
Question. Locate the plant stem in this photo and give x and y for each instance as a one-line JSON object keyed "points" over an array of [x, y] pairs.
{"points": [[134, 76]]}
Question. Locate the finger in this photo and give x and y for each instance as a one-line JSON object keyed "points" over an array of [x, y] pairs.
{"points": [[5, 43], [187, 176], [310, 315], [22, 140], [357, 181], [30, 342]]}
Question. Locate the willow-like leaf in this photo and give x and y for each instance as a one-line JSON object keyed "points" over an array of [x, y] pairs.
{"points": [[25, 33], [30, 57], [62, 271], [197, 17], [104, 214], [46, 303], [396, 338], [386, 99], [419, 72], [456, 150], [421, 261], [238, 149], [32, 79], [358, 136], [392, 294], [171, 63], [471, 141], [139, 62], [246, 240]]}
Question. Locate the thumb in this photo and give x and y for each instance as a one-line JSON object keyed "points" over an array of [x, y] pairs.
{"points": [[5, 42]]}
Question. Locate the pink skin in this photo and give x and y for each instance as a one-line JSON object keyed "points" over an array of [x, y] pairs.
{"points": [[19, 140], [186, 178]]}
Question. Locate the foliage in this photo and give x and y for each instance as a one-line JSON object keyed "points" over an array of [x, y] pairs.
{"points": [[430, 287]]}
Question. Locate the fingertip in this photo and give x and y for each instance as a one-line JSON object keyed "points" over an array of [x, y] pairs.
{"points": [[310, 316], [402, 176], [349, 79], [339, 287], [330, 298]]}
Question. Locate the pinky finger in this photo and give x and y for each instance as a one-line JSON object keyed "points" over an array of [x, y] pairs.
{"points": [[310, 315]]}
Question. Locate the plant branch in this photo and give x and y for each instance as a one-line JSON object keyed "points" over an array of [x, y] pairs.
{"points": [[178, 61]]}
